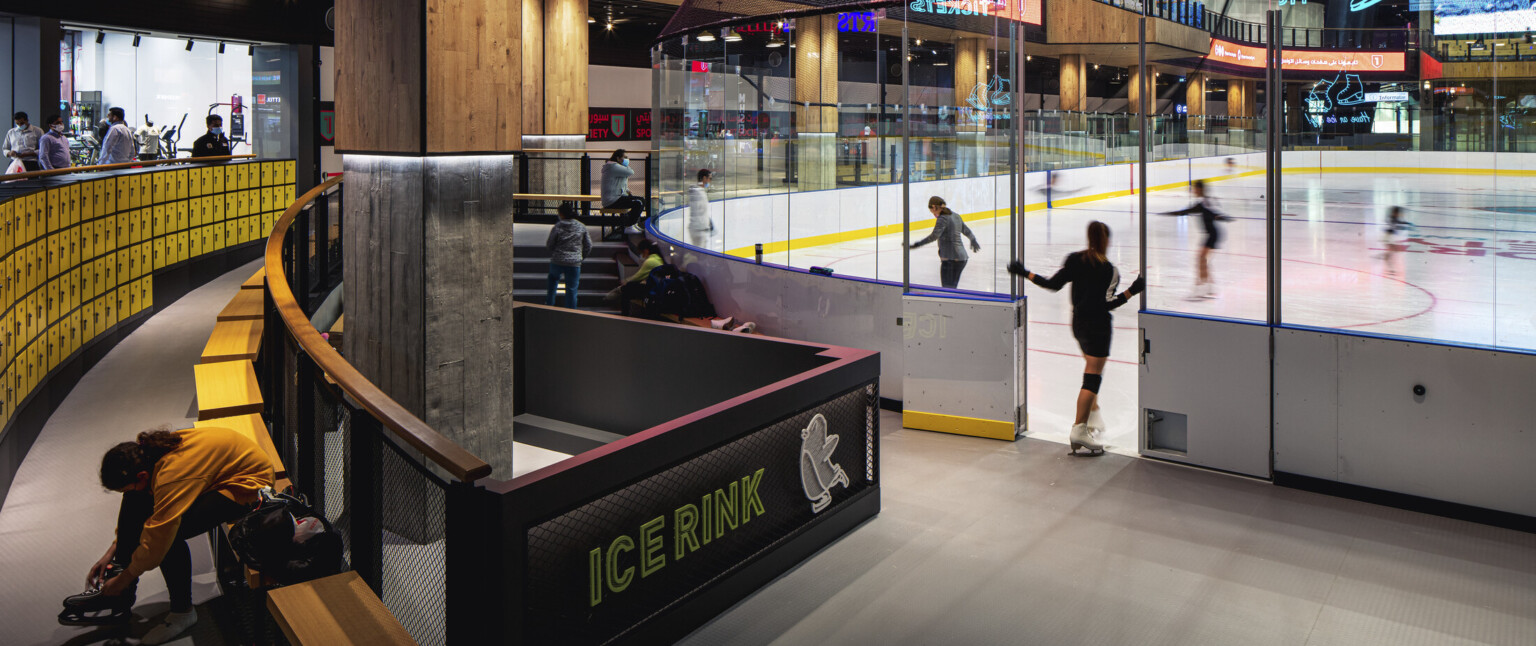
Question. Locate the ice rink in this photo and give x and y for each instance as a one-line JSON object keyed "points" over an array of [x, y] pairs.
{"points": [[1462, 274]]}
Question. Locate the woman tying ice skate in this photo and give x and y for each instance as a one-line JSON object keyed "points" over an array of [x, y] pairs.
{"points": [[1094, 281], [175, 485]]}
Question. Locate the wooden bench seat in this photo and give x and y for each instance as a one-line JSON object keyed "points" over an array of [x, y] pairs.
{"points": [[245, 306], [233, 341], [254, 427], [335, 610], [257, 280], [226, 389]]}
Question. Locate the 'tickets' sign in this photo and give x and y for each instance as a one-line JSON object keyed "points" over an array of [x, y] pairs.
{"points": [[602, 568], [1300, 59]]}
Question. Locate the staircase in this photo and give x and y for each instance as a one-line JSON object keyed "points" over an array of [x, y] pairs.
{"points": [[599, 275]]}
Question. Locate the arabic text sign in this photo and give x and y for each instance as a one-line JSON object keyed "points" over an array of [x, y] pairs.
{"points": [[1296, 59]]}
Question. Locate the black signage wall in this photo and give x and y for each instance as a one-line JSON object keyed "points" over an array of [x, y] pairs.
{"points": [[619, 124], [598, 571]]}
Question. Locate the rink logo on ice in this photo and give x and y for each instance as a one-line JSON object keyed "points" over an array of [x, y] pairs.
{"points": [[818, 474]]}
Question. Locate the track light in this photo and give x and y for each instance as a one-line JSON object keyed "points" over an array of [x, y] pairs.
{"points": [[773, 41], [250, 50], [590, 20], [135, 40], [189, 44], [100, 36], [221, 47], [706, 37], [731, 36]]}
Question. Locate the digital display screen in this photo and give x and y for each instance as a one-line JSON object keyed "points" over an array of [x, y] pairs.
{"points": [[1298, 59], [1483, 16]]}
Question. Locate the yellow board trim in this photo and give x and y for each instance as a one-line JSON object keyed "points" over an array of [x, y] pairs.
{"points": [[854, 235], [972, 426]]}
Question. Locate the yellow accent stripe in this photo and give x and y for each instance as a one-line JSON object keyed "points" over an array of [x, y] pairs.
{"points": [[975, 427], [871, 232]]}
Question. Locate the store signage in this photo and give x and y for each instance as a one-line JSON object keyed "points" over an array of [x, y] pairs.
{"points": [[600, 569], [1299, 59], [1027, 11], [1386, 97], [326, 124], [858, 21], [619, 124], [698, 66], [760, 28]]}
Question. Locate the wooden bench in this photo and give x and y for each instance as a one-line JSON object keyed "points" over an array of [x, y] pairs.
{"points": [[334, 611], [254, 427], [233, 341], [257, 280], [226, 389], [247, 305]]}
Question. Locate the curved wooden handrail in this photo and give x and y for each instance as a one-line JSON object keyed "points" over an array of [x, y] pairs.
{"points": [[137, 164], [441, 450], [573, 151]]}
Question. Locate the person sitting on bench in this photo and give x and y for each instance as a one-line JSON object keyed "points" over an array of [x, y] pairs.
{"points": [[636, 287], [615, 188], [175, 485]]}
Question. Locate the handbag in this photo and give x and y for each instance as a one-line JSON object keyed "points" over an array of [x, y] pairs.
{"points": [[285, 539]]}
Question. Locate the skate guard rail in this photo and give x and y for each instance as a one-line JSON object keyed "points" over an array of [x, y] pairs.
{"points": [[441, 451]]}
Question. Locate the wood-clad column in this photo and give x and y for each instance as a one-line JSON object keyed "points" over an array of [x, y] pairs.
{"points": [[1134, 90], [972, 97], [815, 148], [429, 100], [1074, 82], [565, 67], [1194, 94], [555, 93], [1241, 99]]}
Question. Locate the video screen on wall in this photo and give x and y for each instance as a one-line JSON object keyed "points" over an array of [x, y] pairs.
{"points": [[1454, 17]]}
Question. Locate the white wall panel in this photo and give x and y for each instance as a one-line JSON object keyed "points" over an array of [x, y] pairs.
{"points": [[1468, 440], [964, 358], [1217, 374]]}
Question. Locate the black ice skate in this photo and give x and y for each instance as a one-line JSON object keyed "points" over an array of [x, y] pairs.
{"points": [[92, 608]]}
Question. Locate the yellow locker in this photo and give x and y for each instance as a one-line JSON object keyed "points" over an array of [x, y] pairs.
{"points": [[181, 184], [182, 249], [135, 297], [109, 231], [28, 318], [72, 236], [133, 263], [204, 179], [158, 188], [73, 294], [131, 222], [147, 292], [146, 225], [74, 212], [123, 310], [96, 240], [252, 228], [162, 249], [146, 260], [195, 243], [50, 208], [88, 321], [26, 222], [119, 272], [157, 220], [184, 214], [216, 177], [7, 227], [127, 188], [229, 206], [205, 214], [90, 197], [242, 178], [34, 270], [179, 222], [145, 197], [7, 282], [231, 182], [50, 256], [51, 300], [75, 332], [194, 211]]}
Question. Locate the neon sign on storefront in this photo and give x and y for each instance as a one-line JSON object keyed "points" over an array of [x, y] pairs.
{"points": [[1298, 59]]}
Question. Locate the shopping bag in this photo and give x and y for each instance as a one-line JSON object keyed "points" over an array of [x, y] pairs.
{"points": [[15, 167]]}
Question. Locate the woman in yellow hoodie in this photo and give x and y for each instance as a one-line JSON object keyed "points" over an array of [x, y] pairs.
{"points": [[175, 485]]}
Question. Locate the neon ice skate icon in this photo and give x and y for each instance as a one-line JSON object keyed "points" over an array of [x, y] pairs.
{"points": [[817, 472], [1353, 92]]}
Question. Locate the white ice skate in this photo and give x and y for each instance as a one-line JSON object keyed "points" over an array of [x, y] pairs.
{"points": [[1082, 438], [1096, 420]]}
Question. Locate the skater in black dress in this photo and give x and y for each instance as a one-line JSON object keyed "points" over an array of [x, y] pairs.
{"points": [[1208, 218], [1094, 281]]}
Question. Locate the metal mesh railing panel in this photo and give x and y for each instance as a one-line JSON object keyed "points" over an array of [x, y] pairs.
{"points": [[414, 546]]}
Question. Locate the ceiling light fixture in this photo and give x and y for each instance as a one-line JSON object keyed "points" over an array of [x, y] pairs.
{"points": [[773, 41], [221, 47], [189, 44], [609, 26], [731, 36], [591, 20], [706, 37], [135, 40], [100, 36]]}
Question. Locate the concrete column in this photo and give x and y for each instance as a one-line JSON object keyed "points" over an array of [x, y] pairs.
{"points": [[1074, 82], [430, 107], [816, 98]]}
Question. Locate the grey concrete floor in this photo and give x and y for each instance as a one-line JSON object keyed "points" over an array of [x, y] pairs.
{"points": [[58, 520], [985, 542], [979, 542]]}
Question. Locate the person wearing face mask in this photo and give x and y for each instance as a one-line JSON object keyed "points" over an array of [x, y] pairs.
{"points": [[700, 226], [213, 144], [615, 188], [53, 148], [118, 147], [21, 142]]}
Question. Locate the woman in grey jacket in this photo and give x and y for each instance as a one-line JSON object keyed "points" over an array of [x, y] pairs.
{"points": [[947, 228], [568, 244], [615, 188]]}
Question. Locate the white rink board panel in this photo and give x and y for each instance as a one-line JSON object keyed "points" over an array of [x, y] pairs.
{"points": [[964, 358]]}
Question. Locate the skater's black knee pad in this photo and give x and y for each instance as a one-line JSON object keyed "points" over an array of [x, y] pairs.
{"points": [[1091, 382]]}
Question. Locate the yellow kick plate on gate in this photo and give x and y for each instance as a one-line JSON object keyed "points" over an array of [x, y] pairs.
{"points": [[976, 427]]}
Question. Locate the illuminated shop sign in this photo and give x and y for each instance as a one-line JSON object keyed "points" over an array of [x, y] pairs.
{"points": [[1386, 97], [762, 28], [600, 569], [1027, 11], [858, 21], [1300, 59], [618, 124]]}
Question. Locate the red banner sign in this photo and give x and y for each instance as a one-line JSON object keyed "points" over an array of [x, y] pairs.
{"points": [[1303, 59]]}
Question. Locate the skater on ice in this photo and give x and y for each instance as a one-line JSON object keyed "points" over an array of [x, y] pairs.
{"points": [[1209, 216], [947, 229], [1391, 237], [1094, 280]]}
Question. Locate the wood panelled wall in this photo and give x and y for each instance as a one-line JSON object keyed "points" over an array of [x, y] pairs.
{"points": [[565, 67], [378, 76], [533, 67], [474, 75], [1074, 81]]}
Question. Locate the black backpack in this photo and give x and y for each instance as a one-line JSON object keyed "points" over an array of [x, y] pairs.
{"points": [[665, 291], [698, 300], [263, 539]]}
